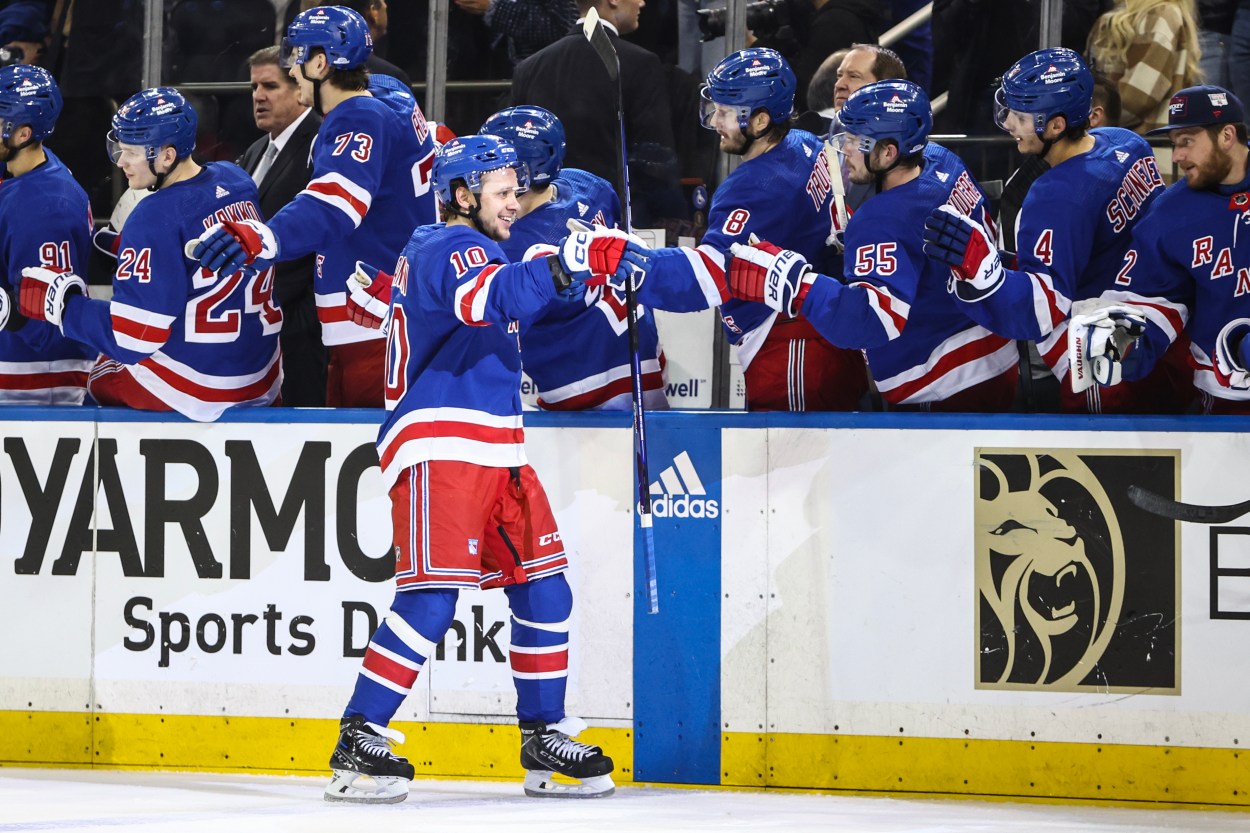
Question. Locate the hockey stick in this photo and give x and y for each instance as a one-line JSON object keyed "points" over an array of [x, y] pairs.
{"points": [[603, 47], [836, 183], [1187, 512]]}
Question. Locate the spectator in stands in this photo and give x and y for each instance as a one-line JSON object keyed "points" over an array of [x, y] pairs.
{"points": [[1150, 49], [836, 24], [1239, 50], [525, 25], [916, 47], [24, 28], [280, 164], [570, 80], [976, 39], [1215, 29], [820, 93]]}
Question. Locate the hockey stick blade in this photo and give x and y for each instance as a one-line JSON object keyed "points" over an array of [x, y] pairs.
{"points": [[598, 38], [1187, 512]]}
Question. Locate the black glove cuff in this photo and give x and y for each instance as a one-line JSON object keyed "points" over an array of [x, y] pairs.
{"points": [[562, 279]]}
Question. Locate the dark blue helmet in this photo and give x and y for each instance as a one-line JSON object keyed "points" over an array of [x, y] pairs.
{"points": [[1047, 83], [537, 136], [469, 158], [153, 119], [28, 96], [750, 80], [340, 31], [897, 110], [393, 93]]}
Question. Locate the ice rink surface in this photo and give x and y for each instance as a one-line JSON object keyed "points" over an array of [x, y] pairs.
{"points": [[82, 800]]}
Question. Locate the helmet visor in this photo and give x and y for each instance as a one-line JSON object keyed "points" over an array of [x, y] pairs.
{"points": [[120, 152], [847, 141], [719, 117], [1015, 121], [290, 54]]}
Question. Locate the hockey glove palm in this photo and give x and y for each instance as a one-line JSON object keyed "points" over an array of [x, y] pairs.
{"points": [[227, 247], [1232, 355], [960, 242], [769, 275], [368, 296], [44, 293], [1099, 342]]}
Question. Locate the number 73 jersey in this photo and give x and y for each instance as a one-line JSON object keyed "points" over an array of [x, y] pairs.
{"points": [[199, 341]]}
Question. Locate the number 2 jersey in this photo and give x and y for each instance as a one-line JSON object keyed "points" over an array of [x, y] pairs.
{"points": [[45, 220], [894, 303], [453, 357], [370, 188], [198, 341], [578, 353], [1189, 269]]}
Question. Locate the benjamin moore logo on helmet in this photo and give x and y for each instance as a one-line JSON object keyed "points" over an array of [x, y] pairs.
{"points": [[1053, 75], [895, 105], [162, 107], [527, 130]]}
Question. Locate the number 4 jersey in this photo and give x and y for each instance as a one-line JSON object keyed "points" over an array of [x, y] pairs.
{"points": [[198, 341]]}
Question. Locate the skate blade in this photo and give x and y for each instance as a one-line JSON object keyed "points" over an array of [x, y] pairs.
{"points": [[361, 789], [540, 784]]}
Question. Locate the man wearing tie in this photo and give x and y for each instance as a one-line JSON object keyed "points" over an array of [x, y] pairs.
{"points": [[280, 164]]}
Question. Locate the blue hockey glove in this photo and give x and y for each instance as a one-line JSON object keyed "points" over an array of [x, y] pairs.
{"points": [[960, 242], [228, 247]]}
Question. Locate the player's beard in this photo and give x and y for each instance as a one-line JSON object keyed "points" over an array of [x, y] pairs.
{"points": [[1212, 171], [7, 155], [736, 145]]}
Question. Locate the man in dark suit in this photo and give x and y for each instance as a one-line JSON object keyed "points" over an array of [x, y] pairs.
{"points": [[279, 162], [569, 79]]}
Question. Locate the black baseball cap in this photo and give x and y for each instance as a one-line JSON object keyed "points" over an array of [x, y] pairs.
{"points": [[1202, 105]]}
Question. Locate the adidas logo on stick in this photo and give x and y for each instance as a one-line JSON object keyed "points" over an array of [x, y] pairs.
{"points": [[677, 494]]}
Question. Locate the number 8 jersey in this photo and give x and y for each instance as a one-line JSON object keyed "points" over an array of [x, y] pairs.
{"points": [[198, 341]]}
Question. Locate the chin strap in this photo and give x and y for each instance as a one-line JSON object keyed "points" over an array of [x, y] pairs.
{"points": [[316, 82], [160, 177]]}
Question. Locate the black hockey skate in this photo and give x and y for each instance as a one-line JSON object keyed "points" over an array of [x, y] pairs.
{"points": [[550, 749], [364, 750]]}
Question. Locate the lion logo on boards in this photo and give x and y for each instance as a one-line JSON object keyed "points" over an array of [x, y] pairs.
{"points": [[1077, 588]]}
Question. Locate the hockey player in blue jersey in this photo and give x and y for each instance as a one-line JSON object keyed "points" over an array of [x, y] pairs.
{"points": [[175, 336], [1188, 270], [453, 457], [781, 192], [45, 220], [891, 301], [596, 330], [1073, 228], [370, 188]]}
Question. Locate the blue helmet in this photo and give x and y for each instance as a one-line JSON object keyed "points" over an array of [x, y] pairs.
{"points": [[392, 92], [1047, 83], [341, 32], [153, 119], [749, 80], [537, 136], [897, 110], [469, 158], [28, 96]]}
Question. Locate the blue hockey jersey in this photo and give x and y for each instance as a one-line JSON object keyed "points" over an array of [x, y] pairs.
{"points": [[783, 196], [45, 220], [1073, 229], [578, 354], [199, 341], [1188, 268], [453, 358], [370, 188], [893, 301]]}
